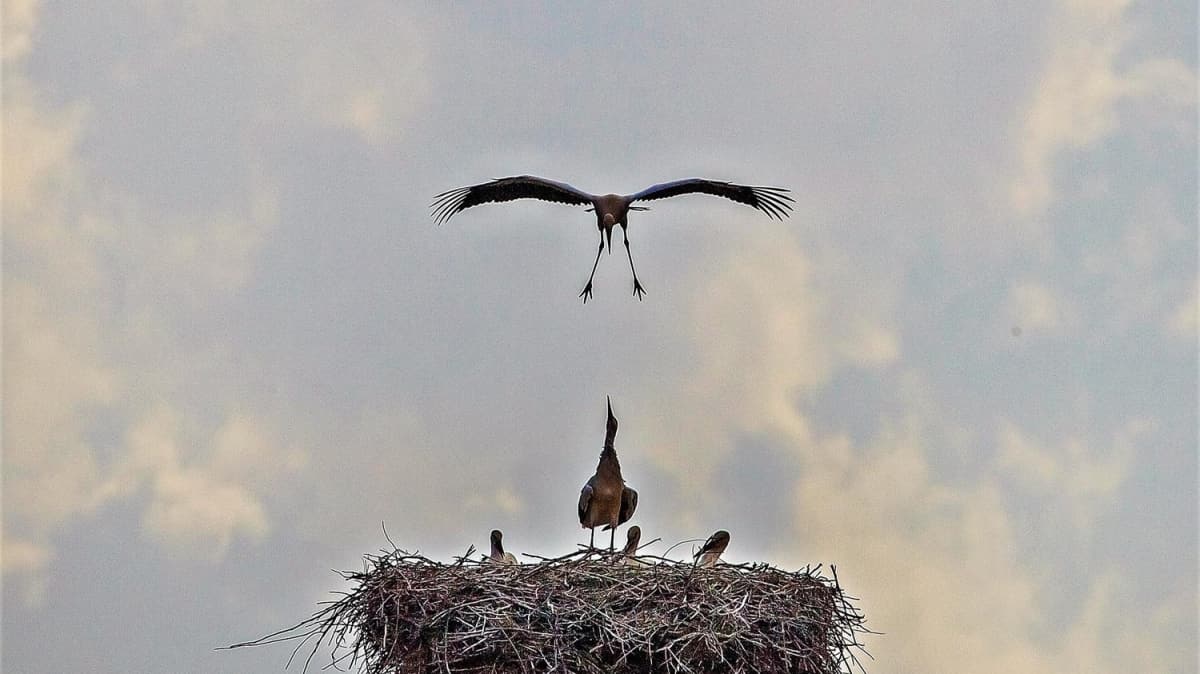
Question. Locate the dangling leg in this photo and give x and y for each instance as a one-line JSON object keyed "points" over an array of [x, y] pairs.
{"points": [[587, 289], [637, 285]]}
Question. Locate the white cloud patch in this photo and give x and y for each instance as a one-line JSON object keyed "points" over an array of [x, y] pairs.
{"points": [[1075, 474], [1035, 308], [1074, 103], [28, 563], [937, 563], [364, 71], [202, 494], [1181, 324], [94, 411], [20, 19], [502, 499], [779, 338]]}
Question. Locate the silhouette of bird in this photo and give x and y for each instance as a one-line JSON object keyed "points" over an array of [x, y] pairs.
{"points": [[632, 538], [710, 552], [498, 555], [610, 209], [605, 500]]}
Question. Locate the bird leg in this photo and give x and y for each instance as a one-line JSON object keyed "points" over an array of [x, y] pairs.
{"points": [[587, 289], [612, 539], [637, 285], [592, 538]]}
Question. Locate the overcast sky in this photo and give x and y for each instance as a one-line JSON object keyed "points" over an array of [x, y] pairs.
{"points": [[235, 342]]}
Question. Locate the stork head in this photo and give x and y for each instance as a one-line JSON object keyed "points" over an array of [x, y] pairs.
{"points": [[715, 543], [632, 538], [609, 222], [496, 544], [612, 425]]}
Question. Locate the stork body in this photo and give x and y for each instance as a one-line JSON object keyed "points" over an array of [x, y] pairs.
{"points": [[605, 501], [710, 552], [611, 209], [498, 555]]}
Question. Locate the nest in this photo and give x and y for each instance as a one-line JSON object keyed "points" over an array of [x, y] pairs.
{"points": [[585, 612]]}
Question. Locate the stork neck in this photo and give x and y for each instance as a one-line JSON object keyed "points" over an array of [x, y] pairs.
{"points": [[608, 462]]}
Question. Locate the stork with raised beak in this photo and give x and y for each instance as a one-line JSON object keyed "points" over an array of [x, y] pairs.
{"points": [[710, 552], [605, 500], [611, 209]]}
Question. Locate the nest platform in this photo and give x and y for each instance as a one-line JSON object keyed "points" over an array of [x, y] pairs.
{"points": [[587, 612]]}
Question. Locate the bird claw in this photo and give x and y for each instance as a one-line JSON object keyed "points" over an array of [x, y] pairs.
{"points": [[638, 290], [587, 292]]}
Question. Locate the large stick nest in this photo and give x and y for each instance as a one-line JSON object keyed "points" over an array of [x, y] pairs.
{"points": [[585, 612]]}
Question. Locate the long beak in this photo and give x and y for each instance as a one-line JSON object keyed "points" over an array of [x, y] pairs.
{"points": [[608, 233]]}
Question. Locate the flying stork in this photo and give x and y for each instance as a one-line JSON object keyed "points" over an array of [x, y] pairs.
{"points": [[610, 209], [605, 500]]}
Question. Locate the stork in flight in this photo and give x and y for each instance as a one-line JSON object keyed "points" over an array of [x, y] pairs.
{"points": [[498, 555], [610, 209], [710, 552], [605, 500]]}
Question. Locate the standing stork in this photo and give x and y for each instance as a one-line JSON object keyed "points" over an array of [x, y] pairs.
{"points": [[611, 209], [498, 555], [605, 500], [710, 552]]}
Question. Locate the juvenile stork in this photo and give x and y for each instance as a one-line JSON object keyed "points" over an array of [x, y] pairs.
{"points": [[611, 209], [498, 555], [632, 537], [629, 555], [605, 500], [710, 552]]}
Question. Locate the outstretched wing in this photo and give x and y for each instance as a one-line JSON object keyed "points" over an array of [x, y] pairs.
{"points": [[585, 499], [450, 202], [774, 201]]}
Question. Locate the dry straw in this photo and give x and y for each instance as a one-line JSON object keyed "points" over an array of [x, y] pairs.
{"points": [[582, 613]]}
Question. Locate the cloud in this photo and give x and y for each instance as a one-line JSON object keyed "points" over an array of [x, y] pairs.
{"points": [[99, 403], [1073, 473], [194, 514], [937, 562], [764, 335], [372, 89], [1033, 307], [29, 562], [202, 495], [1074, 103], [1181, 324], [20, 18]]}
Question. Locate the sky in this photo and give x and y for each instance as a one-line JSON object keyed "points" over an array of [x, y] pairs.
{"points": [[236, 345]]}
